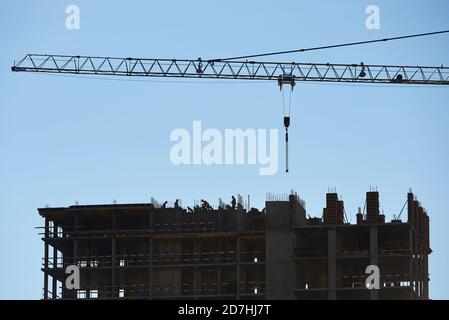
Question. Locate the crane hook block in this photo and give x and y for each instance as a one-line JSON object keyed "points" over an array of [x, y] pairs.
{"points": [[286, 122]]}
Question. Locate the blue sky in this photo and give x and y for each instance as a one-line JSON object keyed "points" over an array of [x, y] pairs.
{"points": [[64, 139]]}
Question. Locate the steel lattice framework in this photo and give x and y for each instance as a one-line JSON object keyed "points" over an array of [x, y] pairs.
{"points": [[242, 70]]}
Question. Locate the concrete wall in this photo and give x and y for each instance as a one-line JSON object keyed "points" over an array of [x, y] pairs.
{"points": [[279, 268]]}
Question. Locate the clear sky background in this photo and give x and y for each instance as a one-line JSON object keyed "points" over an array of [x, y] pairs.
{"points": [[64, 139]]}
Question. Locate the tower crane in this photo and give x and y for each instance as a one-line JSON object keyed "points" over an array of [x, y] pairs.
{"points": [[285, 74]]}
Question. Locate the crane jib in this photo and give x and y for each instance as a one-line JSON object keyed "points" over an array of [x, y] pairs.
{"points": [[241, 70], [286, 74]]}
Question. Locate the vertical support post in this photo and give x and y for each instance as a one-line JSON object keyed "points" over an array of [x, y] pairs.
{"points": [[196, 284], [331, 263], [88, 275], [54, 282], [426, 276], [75, 244], [237, 216], [113, 249], [373, 254], [238, 264], [418, 270], [421, 272], [411, 271], [46, 258], [150, 264]]}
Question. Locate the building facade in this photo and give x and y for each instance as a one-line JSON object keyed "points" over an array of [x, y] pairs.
{"points": [[143, 251]]}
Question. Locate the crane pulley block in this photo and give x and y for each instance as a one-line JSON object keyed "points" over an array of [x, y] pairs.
{"points": [[286, 79]]}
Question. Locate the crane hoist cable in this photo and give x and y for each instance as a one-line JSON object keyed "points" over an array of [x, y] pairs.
{"points": [[286, 84]]}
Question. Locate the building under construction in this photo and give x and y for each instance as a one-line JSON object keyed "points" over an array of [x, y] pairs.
{"points": [[145, 251]]}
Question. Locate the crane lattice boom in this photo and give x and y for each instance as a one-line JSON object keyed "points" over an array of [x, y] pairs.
{"points": [[242, 70]]}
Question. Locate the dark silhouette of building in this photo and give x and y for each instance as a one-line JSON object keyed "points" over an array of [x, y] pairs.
{"points": [[140, 251]]}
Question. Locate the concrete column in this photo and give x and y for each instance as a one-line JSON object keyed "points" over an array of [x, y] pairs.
{"points": [[150, 253], [426, 277], [46, 258], [75, 242], [373, 255], [331, 263], [411, 269], [238, 267], [54, 283], [279, 268], [238, 213], [196, 284], [113, 250], [150, 266], [422, 273], [73, 293]]}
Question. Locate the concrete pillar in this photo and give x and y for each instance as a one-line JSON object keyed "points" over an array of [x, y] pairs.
{"points": [[238, 267], [196, 284], [373, 255], [54, 283], [151, 217], [113, 250], [411, 268], [422, 273], [280, 268], [46, 258], [331, 263], [150, 266], [426, 276], [238, 213]]}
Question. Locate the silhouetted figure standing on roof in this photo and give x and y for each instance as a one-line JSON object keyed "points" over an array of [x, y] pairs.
{"points": [[164, 205], [233, 203], [177, 203], [205, 204]]}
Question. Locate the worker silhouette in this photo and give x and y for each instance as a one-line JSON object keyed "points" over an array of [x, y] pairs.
{"points": [[164, 205], [177, 203], [205, 205], [233, 203]]}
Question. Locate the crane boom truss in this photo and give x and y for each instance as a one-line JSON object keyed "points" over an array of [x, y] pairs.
{"points": [[242, 70]]}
